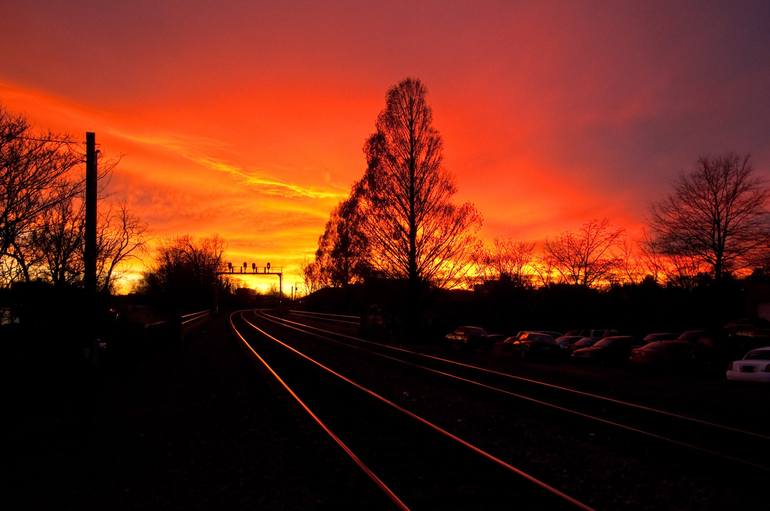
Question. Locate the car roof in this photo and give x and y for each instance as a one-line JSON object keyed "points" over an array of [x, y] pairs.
{"points": [[656, 344]]}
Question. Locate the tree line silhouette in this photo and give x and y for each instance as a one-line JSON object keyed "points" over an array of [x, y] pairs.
{"points": [[42, 231], [399, 222]]}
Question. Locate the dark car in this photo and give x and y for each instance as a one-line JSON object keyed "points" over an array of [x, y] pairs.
{"points": [[531, 344], [610, 349], [472, 336], [524, 335], [601, 333], [692, 335], [566, 341], [707, 351], [552, 333], [664, 354], [659, 336], [584, 342]]}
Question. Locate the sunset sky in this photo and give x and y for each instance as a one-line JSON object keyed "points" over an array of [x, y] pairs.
{"points": [[248, 119]]}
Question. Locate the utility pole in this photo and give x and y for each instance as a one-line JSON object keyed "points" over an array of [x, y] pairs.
{"points": [[89, 279]]}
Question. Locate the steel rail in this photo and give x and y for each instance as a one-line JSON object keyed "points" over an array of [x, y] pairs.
{"points": [[188, 318], [620, 402], [352, 455], [541, 484], [325, 314], [547, 404], [329, 318]]}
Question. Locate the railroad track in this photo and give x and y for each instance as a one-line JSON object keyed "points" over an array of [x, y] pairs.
{"points": [[344, 319], [726, 453], [741, 447], [411, 459]]}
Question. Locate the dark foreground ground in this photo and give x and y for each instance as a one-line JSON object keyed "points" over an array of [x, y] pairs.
{"points": [[199, 424], [194, 426]]}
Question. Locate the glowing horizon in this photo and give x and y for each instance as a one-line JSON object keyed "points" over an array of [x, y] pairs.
{"points": [[248, 121]]}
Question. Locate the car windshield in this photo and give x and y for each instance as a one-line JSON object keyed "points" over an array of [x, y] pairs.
{"points": [[584, 342], [757, 355]]}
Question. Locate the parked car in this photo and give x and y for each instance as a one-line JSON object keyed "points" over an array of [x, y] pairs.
{"points": [[615, 348], [523, 335], [601, 333], [660, 336], [472, 336], [566, 342], [693, 335], [531, 344], [584, 342], [595, 333], [754, 366], [552, 333], [705, 346], [664, 354]]}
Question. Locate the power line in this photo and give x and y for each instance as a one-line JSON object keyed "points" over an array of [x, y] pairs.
{"points": [[40, 139]]}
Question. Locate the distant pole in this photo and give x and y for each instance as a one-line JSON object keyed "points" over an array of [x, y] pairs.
{"points": [[89, 279]]}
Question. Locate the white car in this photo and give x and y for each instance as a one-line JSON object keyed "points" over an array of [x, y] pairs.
{"points": [[755, 366]]}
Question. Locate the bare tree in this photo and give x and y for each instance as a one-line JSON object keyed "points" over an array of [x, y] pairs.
{"points": [[58, 242], [415, 231], [716, 215], [34, 175], [587, 257], [120, 236], [543, 270], [343, 249], [631, 267], [679, 270], [507, 259], [184, 273], [312, 277]]}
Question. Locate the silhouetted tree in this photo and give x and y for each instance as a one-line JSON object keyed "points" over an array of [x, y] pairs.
{"points": [[51, 248], [34, 175], [716, 215], [414, 230], [120, 237], [676, 270], [631, 269], [184, 273], [312, 276], [58, 241], [506, 259], [343, 248], [41, 210], [543, 270], [586, 257]]}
